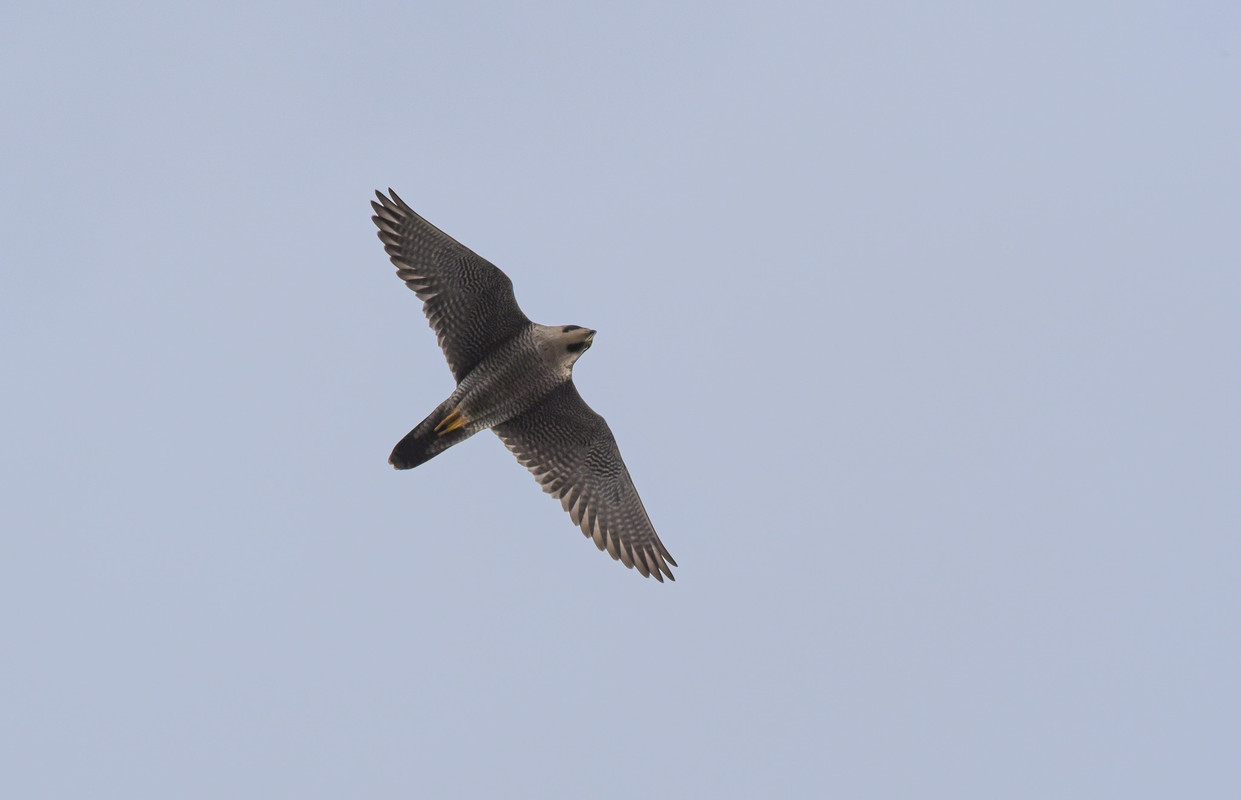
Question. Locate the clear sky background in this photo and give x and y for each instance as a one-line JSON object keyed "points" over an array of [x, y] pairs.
{"points": [[918, 329]]}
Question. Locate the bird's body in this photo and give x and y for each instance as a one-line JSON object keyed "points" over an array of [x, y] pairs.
{"points": [[509, 379], [516, 377]]}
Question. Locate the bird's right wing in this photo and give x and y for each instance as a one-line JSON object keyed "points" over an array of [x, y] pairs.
{"points": [[468, 301], [573, 455]]}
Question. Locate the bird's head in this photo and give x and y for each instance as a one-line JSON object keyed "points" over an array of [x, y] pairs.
{"points": [[563, 345], [575, 340]]}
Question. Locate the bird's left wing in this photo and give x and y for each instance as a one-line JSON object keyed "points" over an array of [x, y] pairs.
{"points": [[468, 301], [573, 455]]}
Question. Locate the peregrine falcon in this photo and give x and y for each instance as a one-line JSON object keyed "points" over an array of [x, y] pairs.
{"points": [[515, 377]]}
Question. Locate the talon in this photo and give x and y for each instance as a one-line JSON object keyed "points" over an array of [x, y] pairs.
{"points": [[452, 422]]}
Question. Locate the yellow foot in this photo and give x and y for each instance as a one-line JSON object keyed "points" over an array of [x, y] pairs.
{"points": [[450, 423]]}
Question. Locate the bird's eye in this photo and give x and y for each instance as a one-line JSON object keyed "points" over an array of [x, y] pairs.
{"points": [[568, 328]]}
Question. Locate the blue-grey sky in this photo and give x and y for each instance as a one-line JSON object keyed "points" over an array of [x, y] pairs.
{"points": [[918, 329]]}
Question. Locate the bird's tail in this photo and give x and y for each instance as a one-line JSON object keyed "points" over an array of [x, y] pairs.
{"points": [[435, 434]]}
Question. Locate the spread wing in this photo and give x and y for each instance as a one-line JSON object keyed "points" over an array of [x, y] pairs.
{"points": [[573, 455], [468, 301]]}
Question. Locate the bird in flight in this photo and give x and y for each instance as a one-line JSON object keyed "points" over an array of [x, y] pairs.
{"points": [[515, 377]]}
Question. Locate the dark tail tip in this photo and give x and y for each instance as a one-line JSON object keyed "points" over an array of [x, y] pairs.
{"points": [[412, 451], [423, 444]]}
